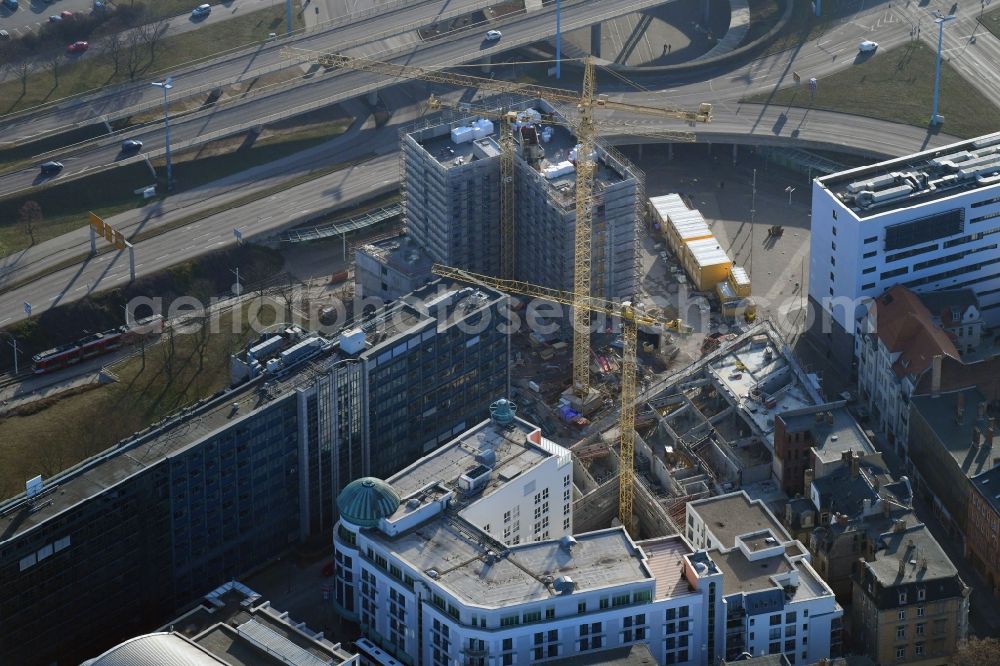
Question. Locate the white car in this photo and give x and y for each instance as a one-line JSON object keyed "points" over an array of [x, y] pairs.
{"points": [[201, 10], [867, 46], [493, 35]]}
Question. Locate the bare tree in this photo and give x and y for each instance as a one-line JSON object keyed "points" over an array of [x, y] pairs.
{"points": [[23, 69], [135, 54], [115, 47], [152, 33], [977, 652], [30, 214], [54, 62]]}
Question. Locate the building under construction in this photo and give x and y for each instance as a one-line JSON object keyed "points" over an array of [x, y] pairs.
{"points": [[451, 192]]}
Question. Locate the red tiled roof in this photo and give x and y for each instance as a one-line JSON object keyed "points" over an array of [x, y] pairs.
{"points": [[905, 325]]}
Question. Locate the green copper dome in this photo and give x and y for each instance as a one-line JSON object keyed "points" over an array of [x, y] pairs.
{"points": [[367, 500]]}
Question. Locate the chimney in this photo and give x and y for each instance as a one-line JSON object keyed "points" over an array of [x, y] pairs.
{"points": [[981, 409], [959, 407], [975, 438], [989, 435], [829, 418], [899, 525], [842, 519], [807, 479], [936, 375], [902, 567], [855, 464], [886, 508]]}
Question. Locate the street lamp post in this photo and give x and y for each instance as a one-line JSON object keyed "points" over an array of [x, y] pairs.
{"points": [[167, 84], [937, 118], [558, 38], [13, 343]]}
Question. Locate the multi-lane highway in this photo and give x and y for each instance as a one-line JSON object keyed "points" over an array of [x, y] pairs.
{"points": [[733, 122]]}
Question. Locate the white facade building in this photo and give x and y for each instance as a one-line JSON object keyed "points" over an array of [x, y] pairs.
{"points": [[928, 221], [765, 598], [425, 564]]}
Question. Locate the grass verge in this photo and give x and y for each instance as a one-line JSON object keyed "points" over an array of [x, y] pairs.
{"points": [[894, 85], [98, 69], [52, 434], [65, 205]]}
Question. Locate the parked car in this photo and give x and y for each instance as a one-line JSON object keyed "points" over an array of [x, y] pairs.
{"points": [[131, 145], [51, 168], [78, 47], [201, 10], [55, 18], [4, 34], [867, 46], [493, 35], [66, 14], [10, 4]]}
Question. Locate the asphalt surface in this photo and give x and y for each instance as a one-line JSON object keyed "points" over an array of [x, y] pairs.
{"points": [[732, 121]]}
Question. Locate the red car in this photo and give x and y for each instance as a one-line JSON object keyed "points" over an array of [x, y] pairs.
{"points": [[66, 14], [78, 47]]}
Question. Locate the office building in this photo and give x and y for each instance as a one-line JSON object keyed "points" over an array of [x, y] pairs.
{"points": [[909, 605], [927, 221], [390, 268], [451, 174], [216, 490], [232, 625], [982, 530], [467, 556]]}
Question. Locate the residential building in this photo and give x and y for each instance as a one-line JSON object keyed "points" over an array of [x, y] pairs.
{"points": [[218, 489], [451, 174], [927, 221], [909, 606], [810, 442], [467, 556], [951, 441], [232, 625], [982, 528], [765, 598], [851, 508], [956, 312], [716, 522]]}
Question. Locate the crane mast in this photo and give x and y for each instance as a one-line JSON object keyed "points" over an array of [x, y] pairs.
{"points": [[631, 317]]}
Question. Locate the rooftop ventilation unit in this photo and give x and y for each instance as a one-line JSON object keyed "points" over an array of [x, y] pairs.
{"points": [[567, 543], [564, 585]]}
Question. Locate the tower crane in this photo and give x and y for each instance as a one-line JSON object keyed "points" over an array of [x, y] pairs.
{"points": [[585, 130], [632, 316]]}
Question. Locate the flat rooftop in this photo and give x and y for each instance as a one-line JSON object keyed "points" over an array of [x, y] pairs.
{"points": [[187, 428], [665, 559], [729, 516], [401, 254], [956, 435], [915, 547], [833, 428], [745, 576], [514, 453], [600, 559], [918, 179]]}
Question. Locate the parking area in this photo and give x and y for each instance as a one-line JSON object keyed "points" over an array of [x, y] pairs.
{"points": [[740, 201]]}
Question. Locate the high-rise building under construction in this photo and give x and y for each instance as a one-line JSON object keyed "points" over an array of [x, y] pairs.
{"points": [[451, 186]]}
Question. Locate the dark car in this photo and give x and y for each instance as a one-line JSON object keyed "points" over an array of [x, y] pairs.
{"points": [[131, 145], [10, 4], [51, 168]]}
